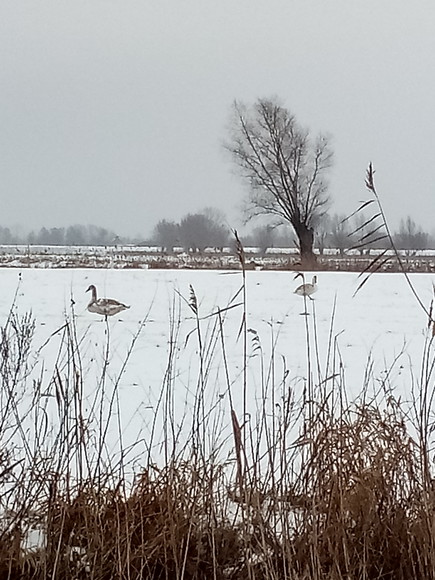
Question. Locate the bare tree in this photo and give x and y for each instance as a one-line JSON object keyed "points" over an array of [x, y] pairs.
{"points": [[323, 230], [362, 233], [197, 231], [284, 167], [263, 237], [339, 233], [167, 235], [410, 237]]}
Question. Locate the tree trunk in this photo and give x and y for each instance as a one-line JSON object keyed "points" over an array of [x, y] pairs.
{"points": [[305, 236]]}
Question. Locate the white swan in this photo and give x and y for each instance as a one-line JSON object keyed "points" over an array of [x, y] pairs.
{"points": [[307, 289], [104, 306]]}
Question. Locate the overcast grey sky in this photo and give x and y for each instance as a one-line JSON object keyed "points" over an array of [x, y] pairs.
{"points": [[113, 112]]}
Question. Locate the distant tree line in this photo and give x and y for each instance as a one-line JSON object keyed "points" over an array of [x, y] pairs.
{"points": [[338, 232], [207, 229], [196, 232], [76, 235]]}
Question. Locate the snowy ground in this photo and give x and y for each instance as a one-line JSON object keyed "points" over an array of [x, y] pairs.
{"points": [[383, 318]]}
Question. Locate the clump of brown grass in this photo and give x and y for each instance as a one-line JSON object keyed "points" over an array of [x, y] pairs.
{"points": [[169, 526], [367, 508]]}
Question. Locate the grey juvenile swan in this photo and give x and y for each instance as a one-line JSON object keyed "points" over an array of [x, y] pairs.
{"points": [[104, 306]]}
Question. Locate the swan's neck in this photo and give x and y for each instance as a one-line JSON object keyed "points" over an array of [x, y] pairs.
{"points": [[94, 294]]}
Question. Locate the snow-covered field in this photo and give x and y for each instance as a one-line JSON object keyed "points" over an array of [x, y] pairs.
{"points": [[384, 319]]}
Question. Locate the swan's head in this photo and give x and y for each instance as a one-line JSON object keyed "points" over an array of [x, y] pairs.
{"points": [[91, 289]]}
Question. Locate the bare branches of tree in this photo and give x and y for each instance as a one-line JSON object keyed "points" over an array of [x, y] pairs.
{"points": [[197, 231], [410, 236], [284, 167], [167, 234]]}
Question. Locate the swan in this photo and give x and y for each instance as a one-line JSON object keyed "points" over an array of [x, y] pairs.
{"points": [[104, 306], [307, 289]]}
